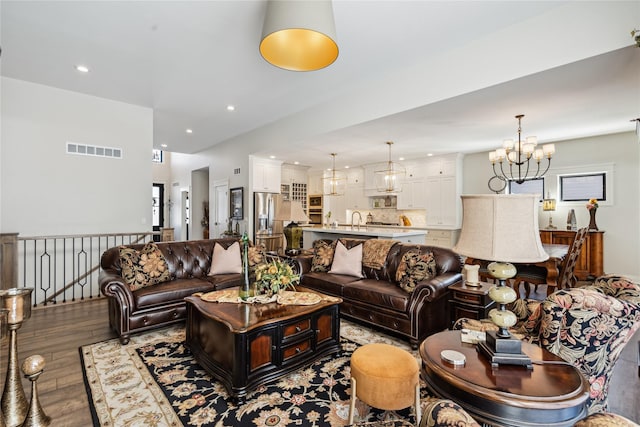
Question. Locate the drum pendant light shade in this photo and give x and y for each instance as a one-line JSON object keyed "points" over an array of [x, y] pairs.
{"points": [[299, 35]]}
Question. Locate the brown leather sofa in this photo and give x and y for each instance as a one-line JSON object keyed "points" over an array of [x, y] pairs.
{"points": [[162, 304], [377, 300]]}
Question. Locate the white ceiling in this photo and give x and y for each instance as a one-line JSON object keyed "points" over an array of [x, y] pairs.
{"points": [[397, 76]]}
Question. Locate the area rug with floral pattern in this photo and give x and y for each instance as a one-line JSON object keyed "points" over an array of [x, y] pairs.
{"points": [[154, 381]]}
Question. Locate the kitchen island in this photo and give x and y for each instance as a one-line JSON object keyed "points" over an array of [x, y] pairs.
{"points": [[311, 234]]}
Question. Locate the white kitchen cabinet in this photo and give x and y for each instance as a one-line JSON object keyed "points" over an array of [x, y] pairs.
{"points": [[266, 175], [314, 183], [412, 195], [443, 201], [442, 238], [442, 165], [294, 173]]}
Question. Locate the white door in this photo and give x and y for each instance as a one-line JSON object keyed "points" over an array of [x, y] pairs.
{"points": [[221, 220]]}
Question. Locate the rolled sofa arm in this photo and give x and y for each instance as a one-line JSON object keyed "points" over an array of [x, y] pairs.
{"points": [[113, 285], [434, 288]]}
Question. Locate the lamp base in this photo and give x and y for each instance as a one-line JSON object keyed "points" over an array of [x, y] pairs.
{"points": [[504, 351]]}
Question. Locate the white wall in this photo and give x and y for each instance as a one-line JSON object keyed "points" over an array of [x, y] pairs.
{"points": [[45, 191], [619, 220]]}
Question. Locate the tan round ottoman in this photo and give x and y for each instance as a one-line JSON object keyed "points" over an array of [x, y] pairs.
{"points": [[385, 377]]}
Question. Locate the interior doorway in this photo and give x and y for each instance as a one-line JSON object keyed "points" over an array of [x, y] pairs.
{"points": [[157, 209], [221, 220]]}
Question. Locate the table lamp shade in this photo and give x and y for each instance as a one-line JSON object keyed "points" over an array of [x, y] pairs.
{"points": [[549, 205], [291, 211], [501, 227]]}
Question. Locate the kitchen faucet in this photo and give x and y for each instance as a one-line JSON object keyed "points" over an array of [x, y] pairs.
{"points": [[359, 219]]}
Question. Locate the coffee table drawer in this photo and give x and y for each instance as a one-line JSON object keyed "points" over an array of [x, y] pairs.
{"points": [[297, 327], [296, 350]]}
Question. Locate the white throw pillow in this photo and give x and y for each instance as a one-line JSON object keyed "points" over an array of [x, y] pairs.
{"points": [[225, 261], [347, 261]]}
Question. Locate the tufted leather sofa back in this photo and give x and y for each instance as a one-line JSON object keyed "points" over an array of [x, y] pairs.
{"points": [[446, 259], [186, 259]]}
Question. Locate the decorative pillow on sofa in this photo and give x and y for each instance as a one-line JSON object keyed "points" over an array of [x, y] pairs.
{"points": [[145, 267], [226, 261], [347, 261], [322, 256], [415, 267], [256, 255]]}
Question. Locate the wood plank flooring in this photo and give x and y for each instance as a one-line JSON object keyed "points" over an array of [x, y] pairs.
{"points": [[57, 332]]}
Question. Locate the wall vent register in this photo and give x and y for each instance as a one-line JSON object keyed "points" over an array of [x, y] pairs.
{"points": [[93, 150]]}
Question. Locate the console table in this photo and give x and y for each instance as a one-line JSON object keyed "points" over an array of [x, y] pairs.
{"points": [[553, 393], [591, 260]]}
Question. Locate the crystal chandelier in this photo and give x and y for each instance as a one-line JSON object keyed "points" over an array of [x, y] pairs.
{"points": [[518, 155], [389, 180], [335, 183]]}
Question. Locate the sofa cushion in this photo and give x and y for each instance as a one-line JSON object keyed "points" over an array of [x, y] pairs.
{"points": [[378, 293], [331, 284], [144, 267], [347, 261], [414, 268], [322, 255], [170, 292], [225, 261]]}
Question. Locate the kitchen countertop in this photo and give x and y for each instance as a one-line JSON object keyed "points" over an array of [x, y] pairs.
{"points": [[372, 231]]}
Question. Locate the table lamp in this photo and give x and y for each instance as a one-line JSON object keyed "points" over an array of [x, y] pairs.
{"points": [[292, 211], [549, 205], [504, 229]]}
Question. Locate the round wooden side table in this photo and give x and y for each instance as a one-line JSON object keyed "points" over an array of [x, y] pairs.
{"points": [[553, 393]]}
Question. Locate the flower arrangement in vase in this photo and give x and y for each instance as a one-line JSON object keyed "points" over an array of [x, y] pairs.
{"points": [[275, 276], [592, 207]]}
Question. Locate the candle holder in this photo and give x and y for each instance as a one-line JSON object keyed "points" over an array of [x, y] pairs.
{"points": [[4, 328], [14, 403]]}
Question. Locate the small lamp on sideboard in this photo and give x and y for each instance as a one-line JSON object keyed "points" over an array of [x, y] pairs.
{"points": [[549, 205]]}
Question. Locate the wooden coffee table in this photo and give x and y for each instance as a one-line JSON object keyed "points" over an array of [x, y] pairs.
{"points": [[246, 345], [551, 394]]}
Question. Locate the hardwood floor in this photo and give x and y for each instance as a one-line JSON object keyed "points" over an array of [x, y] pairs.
{"points": [[57, 332]]}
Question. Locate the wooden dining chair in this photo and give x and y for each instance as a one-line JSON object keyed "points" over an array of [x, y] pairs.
{"points": [[536, 275]]}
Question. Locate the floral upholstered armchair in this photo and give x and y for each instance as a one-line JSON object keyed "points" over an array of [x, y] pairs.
{"points": [[446, 413], [587, 326]]}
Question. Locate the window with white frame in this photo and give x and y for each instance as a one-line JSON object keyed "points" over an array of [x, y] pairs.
{"points": [[582, 187], [530, 186]]}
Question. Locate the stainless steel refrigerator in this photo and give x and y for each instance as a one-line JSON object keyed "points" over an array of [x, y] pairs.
{"points": [[264, 211]]}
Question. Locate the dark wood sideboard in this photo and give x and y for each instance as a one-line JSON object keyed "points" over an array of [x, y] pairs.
{"points": [[591, 261]]}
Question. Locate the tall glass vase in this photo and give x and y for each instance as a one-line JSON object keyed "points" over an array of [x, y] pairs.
{"points": [[592, 219], [245, 289]]}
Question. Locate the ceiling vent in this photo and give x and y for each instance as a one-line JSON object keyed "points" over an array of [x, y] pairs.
{"points": [[93, 150]]}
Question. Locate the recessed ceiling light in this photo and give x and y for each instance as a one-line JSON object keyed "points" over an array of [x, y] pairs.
{"points": [[163, 145], [346, 167], [429, 154], [401, 158], [296, 163], [272, 157], [82, 68], [230, 108], [189, 131]]}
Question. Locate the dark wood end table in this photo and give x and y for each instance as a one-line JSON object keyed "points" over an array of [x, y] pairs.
{"points": [[470, 301], [551, 394], [246, 345]]}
